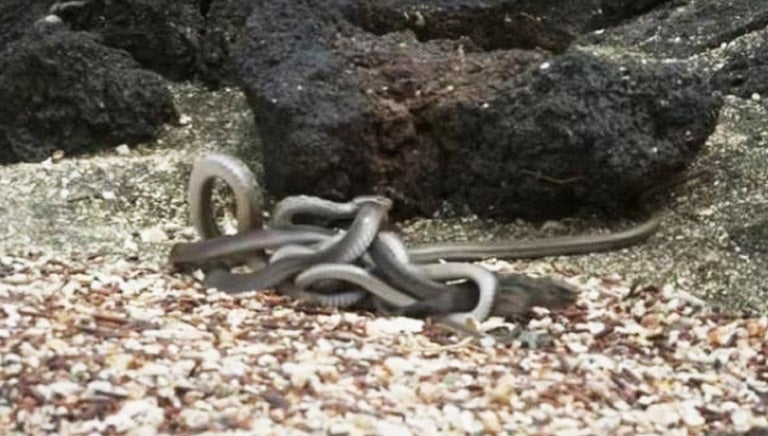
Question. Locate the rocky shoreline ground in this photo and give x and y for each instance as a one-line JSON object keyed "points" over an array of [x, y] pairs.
{"points": [[86, 296], [97, 334]]}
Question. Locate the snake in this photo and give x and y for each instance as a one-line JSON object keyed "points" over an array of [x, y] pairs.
{"points": [[484, 280], [243, 245], [361, 239], [238, 177], [386, 251], [362, 231]]}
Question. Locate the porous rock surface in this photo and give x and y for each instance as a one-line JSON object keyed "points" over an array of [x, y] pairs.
{"points": [[63, 90], [725, 40], [494, 24], [16, 17], [161, 36], [224, 22], [351, 100], [181, 40], [680, 29]]}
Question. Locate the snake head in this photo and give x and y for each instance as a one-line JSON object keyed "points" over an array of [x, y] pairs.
{"points": [[378, 200]]}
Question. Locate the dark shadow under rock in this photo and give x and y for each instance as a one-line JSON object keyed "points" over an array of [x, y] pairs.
{"points": [[64, 90], [682, 28], [504, 133]]}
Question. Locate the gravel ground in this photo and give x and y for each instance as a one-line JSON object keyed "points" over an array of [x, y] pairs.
{"points": [[113, 347], [97, 335]]}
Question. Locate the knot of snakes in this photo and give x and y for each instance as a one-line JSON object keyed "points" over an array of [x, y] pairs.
{"points": [[343, 257]]}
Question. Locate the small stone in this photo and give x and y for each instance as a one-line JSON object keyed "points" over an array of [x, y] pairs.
{"points": [[144, 313], [103, 387], [62, 388], [428, 392], [595, 327], [119, 361], [720, 335], [300, 375], [665, 415], [741, 419], [503, 390], [153, 235], [153, 369], [577, 347], [387, 428], [136, 413], [554, 228], [691, 415], [123, 149], [267, 361], [490, 421], [194, 418], [393, 326], [397, 365], [233, 366], [339, 428]]}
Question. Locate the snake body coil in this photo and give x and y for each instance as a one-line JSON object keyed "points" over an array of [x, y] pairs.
{"points": [[314, 255]]}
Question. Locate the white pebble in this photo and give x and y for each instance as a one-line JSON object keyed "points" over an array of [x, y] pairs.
{"points": [[144, 412], [741, 419], [691, 415], [267, 361], [153, 234], [62, 388], [194, 418], [391, 428], [662, 414], [393, 326], [397, 365]]}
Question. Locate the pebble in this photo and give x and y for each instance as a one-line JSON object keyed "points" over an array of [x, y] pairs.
{"points": [[143, 412], [397, 365], [153, 234], [664, 415]]}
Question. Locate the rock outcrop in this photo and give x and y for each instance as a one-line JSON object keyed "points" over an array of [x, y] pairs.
{"points": [[64, 90], [484, 106]]}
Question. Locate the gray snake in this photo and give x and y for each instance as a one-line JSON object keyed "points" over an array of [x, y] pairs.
{"points": [[418, 287]]}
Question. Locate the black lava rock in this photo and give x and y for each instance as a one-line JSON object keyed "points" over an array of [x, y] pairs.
{"points": [[349, 100], [181, 40], [583, 130], [744, 71], [682, 28], [64, 90], [16, 17], [161, 36], [224, 23]]}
